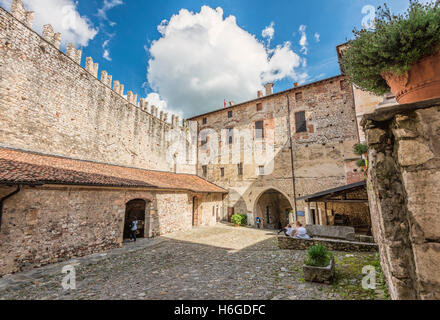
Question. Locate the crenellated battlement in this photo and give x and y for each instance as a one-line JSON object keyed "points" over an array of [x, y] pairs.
{"points": [[26, 17], [18, 11], [50, 36], [79, 110]]}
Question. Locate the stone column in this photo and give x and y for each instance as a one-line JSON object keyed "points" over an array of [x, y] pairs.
{"points": [[404, 196]]}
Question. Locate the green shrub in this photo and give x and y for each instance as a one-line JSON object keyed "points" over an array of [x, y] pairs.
{"points": [[361, 163], [360, 149], [395, 45], [240, 219], [318, 256]]}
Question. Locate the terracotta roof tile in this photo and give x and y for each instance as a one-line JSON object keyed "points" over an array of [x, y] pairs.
{"points": [[31, 168]]}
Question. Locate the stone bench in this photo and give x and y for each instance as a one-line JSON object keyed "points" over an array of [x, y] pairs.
{"points": [[289, 243], [331, 232]]}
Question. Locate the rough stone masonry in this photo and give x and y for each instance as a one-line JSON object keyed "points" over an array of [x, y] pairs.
{"points": [[404, 195]]}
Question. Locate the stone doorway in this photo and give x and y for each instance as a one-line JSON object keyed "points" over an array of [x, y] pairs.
{"points": [[135, 209], [273, 208]]}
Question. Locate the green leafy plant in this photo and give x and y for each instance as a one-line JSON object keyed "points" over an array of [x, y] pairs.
{"points": [[239, 219], [360, 149], [318, 256], [361, 163], [394, 45]]}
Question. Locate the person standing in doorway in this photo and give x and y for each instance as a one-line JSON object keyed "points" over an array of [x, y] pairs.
{"points": [[258, 220], [133, 229]]}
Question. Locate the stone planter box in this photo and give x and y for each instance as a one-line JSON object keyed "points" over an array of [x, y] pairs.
{"points": [[320, 274]]}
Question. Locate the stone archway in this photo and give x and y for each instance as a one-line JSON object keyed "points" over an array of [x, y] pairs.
{"points": [[135, 209], [273, 207]]}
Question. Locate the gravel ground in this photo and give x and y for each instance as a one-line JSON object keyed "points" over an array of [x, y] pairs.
{"points": [[220, 262]]}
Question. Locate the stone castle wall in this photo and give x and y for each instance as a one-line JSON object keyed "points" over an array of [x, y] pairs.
{"points": [[37, 229], [323, 155], [404, 195], [49, 103]]}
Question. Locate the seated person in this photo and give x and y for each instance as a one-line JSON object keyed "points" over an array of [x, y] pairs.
{"points": [[289, 231], [301, 232], [286, 229]]}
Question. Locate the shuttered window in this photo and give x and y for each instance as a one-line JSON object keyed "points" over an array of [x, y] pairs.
{"points": [[259, 129], [300, 122]]}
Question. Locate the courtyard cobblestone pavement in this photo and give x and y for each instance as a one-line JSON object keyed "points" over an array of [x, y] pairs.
{"points": [[221, 262]]}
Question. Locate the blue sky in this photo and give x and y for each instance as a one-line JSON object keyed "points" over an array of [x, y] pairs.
{"points": [[128, 29]]}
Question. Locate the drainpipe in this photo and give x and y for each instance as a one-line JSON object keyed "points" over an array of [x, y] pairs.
{"points": [[291, 156], [4, 198]]}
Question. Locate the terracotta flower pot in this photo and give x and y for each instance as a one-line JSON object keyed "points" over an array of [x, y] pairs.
{"points": [[421, 82]]}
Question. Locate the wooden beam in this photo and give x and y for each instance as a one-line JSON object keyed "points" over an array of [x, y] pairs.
{"points": [[346, 201]]}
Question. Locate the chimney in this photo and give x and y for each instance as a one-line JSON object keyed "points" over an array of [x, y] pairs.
{"points": [[296, 84], [269, 88], [231, 103], [260, 94]]}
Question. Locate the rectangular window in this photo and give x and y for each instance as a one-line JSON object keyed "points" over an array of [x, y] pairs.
{"points": [[222, 172], [205, 121], [205, 171], [259, 107], [230, 135], [259, 129], [240, 168], [298, 96], [300, 122], [229, 114], [261, 170]]}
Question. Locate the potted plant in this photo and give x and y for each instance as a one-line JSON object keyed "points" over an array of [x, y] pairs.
{"points": [[362, 163], [239, 220], [401, 52], [360, 149], [319, 265]]}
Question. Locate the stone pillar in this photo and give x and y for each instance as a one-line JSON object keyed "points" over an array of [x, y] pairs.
{"points": [[309, 219], [404, 196]]}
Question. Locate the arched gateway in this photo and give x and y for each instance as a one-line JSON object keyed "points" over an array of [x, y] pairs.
{"points": [[274, 209]]}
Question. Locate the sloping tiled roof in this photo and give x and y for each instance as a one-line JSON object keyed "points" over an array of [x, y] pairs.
{"points": [[334, 191], [19, 167]]}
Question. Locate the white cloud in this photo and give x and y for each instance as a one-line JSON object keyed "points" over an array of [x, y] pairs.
{"points": [[269, 32], [63, 16], [155, 99], [106, 54], [202, 59], [303, 41], [317, 37], [108, 4]]}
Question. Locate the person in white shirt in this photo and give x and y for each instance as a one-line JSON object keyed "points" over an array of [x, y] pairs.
{"points": [[289, 231], [301, 232]]}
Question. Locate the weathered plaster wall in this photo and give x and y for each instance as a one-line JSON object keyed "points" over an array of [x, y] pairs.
{"points": [[44, 225], [404, 194], [323, 155], [50, 104]]}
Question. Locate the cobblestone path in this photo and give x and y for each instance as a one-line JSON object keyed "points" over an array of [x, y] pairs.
{"points": [[220, 262]]}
